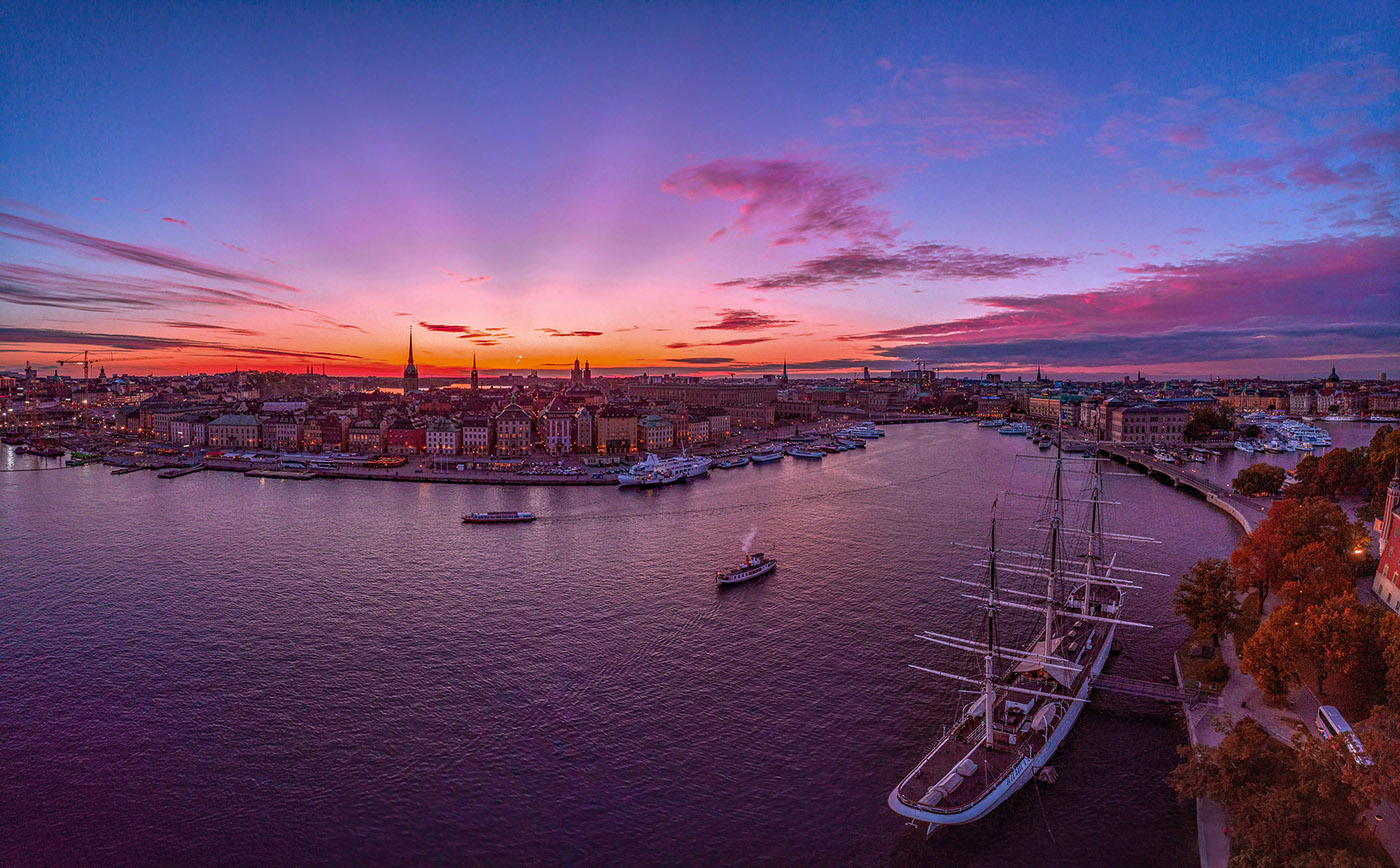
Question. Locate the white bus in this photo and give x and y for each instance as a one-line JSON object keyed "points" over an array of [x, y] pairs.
{"points": [[1331, 724]]}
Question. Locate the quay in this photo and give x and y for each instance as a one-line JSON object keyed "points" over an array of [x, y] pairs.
{"points": [[176, 472], [1245, 510]]}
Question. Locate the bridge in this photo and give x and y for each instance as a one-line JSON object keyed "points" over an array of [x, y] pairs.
{"points": [[1247, 511], [1153, 690]]}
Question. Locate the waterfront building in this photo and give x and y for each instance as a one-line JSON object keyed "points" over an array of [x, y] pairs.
{"points": [[443, 437], [514, 431], [404, 437], [583, 430], [476, 434], [655, 433], [615, 429], [557, 424], [1147, 424], [364, 437], [694, 431], [795, 407], [234, 431], [1302, 402], [747, 416], [281, 432], [723, 394], [1387, 581], [410, 371]]}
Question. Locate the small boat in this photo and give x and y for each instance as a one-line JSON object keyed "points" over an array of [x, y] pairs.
{"points": [[754, 565], [851, 444], [766, 456], [1043, 444], [1243, 446], [990, 423], [497, 517], [799, 452], [829, 449], [728, 463]]}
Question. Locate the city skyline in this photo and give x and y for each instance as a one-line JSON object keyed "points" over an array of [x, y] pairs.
{"points": [[978, 189]]}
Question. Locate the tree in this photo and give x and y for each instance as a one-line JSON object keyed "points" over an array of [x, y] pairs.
{"points": [[1337, 636], [1315, 573], [1283, 803], [1291, 524], [1253, 431], [1206, 598], [1259, 478], [1206, 420], [1271, 655]]}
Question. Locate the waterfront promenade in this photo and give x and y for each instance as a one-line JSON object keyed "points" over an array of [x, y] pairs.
{"points": [[1247, 511]]}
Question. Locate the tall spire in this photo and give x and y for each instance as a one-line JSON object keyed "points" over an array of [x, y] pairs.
{"points": [[410, 343]]}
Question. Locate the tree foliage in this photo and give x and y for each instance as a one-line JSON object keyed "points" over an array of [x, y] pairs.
{"points": [[1206, 598], [1315, 573], [1206, 420], [1259, 478], [1283, 803], [1291, 524], [1271, 656]]}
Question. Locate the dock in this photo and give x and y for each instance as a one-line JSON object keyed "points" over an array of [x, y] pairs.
{"points": [[281, 474], [176, 472]]}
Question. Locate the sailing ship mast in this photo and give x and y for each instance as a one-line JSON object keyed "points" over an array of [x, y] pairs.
{"points": [[989, 685]]}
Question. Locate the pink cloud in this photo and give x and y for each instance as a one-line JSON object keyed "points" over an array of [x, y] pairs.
{"points": [[173, 220], [462, 278], [744, 320], [801, 199], [1318, 294], [927, 261]]}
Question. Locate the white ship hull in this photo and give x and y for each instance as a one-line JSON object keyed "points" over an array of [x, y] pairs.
{"points": [[1025, 768]]}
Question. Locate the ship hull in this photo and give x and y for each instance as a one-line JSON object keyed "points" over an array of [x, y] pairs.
{"points": [[1024, 770]]}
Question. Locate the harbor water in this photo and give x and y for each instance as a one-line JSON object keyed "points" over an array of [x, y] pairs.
{"points": [[219, 670]]}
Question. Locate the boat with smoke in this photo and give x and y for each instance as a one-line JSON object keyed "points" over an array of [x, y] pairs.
{"points": [[1028, 694], [754, 565]]}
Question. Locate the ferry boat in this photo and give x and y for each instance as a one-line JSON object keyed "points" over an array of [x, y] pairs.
{"points": [[661, 477], [497, 517], [991, 423], [1017, 429], [729, 463], [754, 565], [799, 452], [1028, 695]]}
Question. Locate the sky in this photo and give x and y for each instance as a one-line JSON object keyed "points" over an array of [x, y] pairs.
{"points": [[710, 188]]}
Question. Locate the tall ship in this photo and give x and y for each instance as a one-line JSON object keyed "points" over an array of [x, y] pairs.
{"points": [[1059, 589]]}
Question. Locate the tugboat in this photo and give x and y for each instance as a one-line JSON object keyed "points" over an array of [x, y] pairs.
{"points": [[497, 517], [754, 565]]}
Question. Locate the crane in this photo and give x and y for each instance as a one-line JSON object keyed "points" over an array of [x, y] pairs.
{"points": [[87, 357]]}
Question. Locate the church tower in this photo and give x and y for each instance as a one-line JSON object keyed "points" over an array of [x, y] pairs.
{"points": [[410, 371], [576, 378], [587, 375], [476, 384]]}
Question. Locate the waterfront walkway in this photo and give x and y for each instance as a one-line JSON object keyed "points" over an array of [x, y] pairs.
{"points": [[1247, 511]]}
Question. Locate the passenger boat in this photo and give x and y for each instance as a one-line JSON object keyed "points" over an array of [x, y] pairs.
{"points": [[754, 565], [799, 452], [991, 423], [1028, 694], [497, 517], [662, 477], [729, 463], [1015, 429]]}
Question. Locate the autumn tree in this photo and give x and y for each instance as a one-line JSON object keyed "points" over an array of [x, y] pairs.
{"points": [[1283, 802], [1270, 656], [1315, 573], [1291, 524], [1259, 478], [1206, 598]]}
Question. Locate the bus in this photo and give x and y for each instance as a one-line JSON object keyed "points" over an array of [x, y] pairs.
{"points": [[1331, 724]]}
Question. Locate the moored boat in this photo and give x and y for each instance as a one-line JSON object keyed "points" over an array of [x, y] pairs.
{"points": [[766, 456], [799, 452], [728, 463]]}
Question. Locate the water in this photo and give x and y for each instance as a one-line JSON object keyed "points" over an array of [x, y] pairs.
{"points": [[219, 670], [1222, 468]]}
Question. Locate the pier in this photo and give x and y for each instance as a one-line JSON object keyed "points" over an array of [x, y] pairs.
{"points": [[1247, 511], [176, 472]]}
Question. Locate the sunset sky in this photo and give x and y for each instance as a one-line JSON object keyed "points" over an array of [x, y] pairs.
{"points": [[714, 188]]}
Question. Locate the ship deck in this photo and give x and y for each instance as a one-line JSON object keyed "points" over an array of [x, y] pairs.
{"points": [[962, 768]]}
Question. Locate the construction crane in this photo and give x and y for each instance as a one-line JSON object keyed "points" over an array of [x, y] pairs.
{"points": [[87, 357]]}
